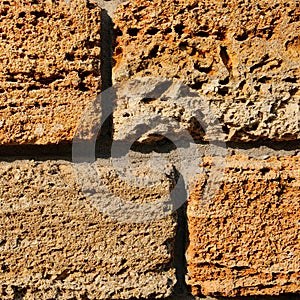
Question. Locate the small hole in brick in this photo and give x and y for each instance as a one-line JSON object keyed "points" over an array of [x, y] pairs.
{"points": [[148, 100], [154, 51], [265, 170], [183, 45], [197, 85], [33, 88], [152, 31], [12, 79], [179, 29], [4, 268], [118, 51], [69, 56], [225, 129], [264, 79], [289, 180], [224, 81], [223, 90], [290, 79], [242, 37], [221, 35], [84, 57], [118, 32], [133, 31], [253, 127], [22, 14], [82, 87], [202, 34], [32, 56], [38, 14], [34, 22]]}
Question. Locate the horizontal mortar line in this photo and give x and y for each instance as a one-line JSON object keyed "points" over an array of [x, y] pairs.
{"points": [[291, 145], [38, 152], [63, 151]]}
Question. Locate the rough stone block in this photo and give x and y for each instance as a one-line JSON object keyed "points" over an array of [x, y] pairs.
{"points": [[55, 244], [245, 240], [241, 56], [50, 68]]}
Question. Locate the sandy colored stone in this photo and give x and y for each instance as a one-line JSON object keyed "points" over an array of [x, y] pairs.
{"points": [[148, 110], [245, 240], [50, 68], [242, 57], [55, 244]]}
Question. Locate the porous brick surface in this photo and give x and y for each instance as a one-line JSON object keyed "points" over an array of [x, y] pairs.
{"points": [[234, 67], [241, 56], [245, 240], [50, 68], [55, 244]]}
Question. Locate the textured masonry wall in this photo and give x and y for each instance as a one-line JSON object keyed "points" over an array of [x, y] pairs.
{"points": [[55, 244], [245, 242], [50, 68], [243, 57], [240, 58]]}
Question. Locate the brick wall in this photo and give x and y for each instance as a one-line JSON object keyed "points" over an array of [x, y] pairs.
{"points": [[180, 180]]}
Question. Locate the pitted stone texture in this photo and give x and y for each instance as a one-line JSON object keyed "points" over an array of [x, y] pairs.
{"points": [[242, 56], [50, 68], [56, 245], [245, 240], [149, 109]]}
